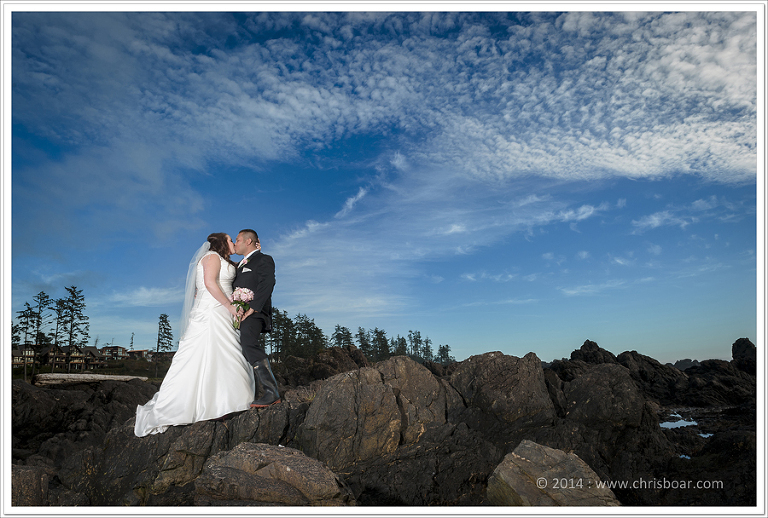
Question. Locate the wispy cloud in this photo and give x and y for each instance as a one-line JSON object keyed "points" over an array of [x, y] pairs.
{"points": [[660, 219], [592, 289], [350, 203], [145, 297]]}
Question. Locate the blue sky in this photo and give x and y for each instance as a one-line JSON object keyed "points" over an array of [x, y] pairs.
{"points": [[498, 181]]}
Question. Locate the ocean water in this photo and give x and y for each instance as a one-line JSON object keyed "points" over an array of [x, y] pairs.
{"points": [[679, 422]]}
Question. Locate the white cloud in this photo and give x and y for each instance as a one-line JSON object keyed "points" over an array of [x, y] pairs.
{"points": [[583, 255], [350, 203], [591, 289], [146, 297], [490, 113], [660, 219]]}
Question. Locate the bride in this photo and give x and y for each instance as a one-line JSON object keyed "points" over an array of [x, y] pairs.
{"points": [[209, 377]]}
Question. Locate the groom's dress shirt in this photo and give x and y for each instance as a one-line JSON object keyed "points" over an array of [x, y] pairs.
{"points": [[246, 258]]}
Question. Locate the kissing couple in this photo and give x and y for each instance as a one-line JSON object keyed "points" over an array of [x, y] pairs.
{"points": [[219, 358]]}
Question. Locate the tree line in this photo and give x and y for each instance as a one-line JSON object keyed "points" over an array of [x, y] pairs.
{"points": [[62, 322], [302, 338], [46, 322]]}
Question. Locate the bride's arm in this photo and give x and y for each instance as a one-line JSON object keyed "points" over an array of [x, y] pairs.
{"points": [[211, 268]]}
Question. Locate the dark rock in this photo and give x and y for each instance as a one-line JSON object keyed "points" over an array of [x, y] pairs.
{"points": [[295, 372], [744, 355], [29, 486], [504, 396], [368, 413], [722, 473], [659, 382], [55, 422], [448, 465], [435, 368], [535, 475], [568, 370], [264, 474], [718, 383], [590, 352], [398, 433], [555, 388], [685, 364], [609, 424]]}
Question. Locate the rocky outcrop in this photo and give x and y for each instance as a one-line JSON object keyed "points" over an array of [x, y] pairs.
{"points": [[295, 372], [49, 424], [608, 423], [590, 352], [29, 486], [392, 433], [535, 475], [744, 355], [504, 397], [718, 383], [261, 474], [661, 383]]}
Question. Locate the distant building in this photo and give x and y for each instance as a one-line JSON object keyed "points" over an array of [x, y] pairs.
{"points": [[75, 357], [94, 358], [139, 354], [54, 356], [18, 354], [114, 353]]}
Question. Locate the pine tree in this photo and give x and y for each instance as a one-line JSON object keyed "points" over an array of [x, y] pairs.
{"points": [[42, 318], [26, 328], [364, 342], [444, 355], [380, 345], [75, 323], [414, 344], [164, 338], [311, 339], [399, 346], [341, 337], [426, 350]]}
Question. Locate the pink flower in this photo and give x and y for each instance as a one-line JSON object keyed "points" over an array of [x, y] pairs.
{"points": [[241, 297]]}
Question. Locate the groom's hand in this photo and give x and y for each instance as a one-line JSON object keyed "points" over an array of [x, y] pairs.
{"points": [[247, 314]]}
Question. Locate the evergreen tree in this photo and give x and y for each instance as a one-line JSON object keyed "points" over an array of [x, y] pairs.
{"points": [[364, 342], [399, 346], [164, 337], [444, 355], [310, 338], [26, 322], [15, 335], [426, 349], [132, 341], [414, 344], [42, 317], [26, 328], [75, 322], [59, 310], [277, 340], [341, 337], [380, 345]]}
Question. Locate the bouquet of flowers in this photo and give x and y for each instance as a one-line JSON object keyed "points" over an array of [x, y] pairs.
{"points": [[241, 297]]}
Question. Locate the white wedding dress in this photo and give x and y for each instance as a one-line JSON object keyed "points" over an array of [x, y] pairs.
{"points": [[209, 376]]}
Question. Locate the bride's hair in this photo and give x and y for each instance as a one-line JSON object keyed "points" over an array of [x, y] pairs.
{"points": [[218, 241]]}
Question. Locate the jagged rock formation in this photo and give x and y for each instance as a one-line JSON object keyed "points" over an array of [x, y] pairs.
{"points": [[393, 433], [535, 475]]}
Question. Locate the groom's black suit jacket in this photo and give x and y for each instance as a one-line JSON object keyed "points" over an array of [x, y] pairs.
{"points": [[258, 275]]}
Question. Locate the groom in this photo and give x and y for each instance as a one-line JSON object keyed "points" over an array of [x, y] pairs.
{"points": [[257, 273]]}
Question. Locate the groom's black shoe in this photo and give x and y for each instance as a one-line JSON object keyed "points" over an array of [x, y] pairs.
{"points": [[267, 379]]}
